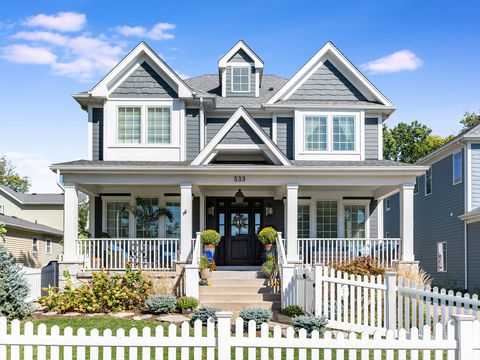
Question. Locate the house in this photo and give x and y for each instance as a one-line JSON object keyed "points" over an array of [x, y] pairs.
{"points": [[34, 224], [447, 212], [235, 151]]}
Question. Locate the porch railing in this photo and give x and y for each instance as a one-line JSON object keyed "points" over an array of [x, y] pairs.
{"points": [[116, 254], [328, 251]]}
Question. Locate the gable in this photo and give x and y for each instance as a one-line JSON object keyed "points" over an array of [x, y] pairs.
{"points": [[144, 82], [327, 83], [241, 57], [241, 133]]}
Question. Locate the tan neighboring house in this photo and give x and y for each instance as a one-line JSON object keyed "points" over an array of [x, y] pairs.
{"points": [[34, 225]]}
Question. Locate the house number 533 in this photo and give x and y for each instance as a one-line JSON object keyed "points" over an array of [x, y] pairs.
{"points": [[239, 178]]}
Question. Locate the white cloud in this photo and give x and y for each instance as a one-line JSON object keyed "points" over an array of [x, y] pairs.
{"points": [[159, 31], [42, 36], [28, 54], [404, 60], [62, 21]]}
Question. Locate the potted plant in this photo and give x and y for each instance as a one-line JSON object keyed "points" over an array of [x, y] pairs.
{"points": [[204, 267], [267, 236], [210, 239]]}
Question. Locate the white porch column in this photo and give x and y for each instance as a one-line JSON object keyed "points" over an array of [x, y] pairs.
{"points": [[406, 222], [292, 221], [70, 222], [186, 221]]}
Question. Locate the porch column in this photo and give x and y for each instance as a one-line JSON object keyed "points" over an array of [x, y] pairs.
{"points": [[70, 222], [406, 222], [186, 221], [292, 221]]}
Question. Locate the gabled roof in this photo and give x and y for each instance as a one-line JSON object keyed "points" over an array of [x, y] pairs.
{"points": [[276, 155], [333, 55], [144, 52], [240, 45], [13, 221], [31, 199]]}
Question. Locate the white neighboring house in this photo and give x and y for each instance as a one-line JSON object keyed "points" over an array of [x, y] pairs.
{"points": [[235, 151]]}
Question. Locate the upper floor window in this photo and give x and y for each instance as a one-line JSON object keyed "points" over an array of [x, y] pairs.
{"points": [[152, 126], [158, 129], [240, 79], [428, 182], [457, 168], [316, 133], [335, 133], [343, 133], [129, 125], [415, 189], [35, 246], [388, 204], [48, 246]]}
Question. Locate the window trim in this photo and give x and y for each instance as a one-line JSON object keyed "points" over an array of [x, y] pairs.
{"points": [[48, 246], [35, 245], [431, 181], [131, 218], [142, 138], [327, 142], [461, 167], [249, 67], [388, 204], [170, 134], [366, 203], [444, 255]]}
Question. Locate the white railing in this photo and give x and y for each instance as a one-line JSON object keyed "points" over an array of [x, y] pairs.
{"points": [[117, 254], [329, 251], [460, 341]]}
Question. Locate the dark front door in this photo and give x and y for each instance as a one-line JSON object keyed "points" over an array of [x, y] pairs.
{"points": [[239, 224]]}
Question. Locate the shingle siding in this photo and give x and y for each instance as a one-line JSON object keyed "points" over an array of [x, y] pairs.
{"points": [[241, 57], [192, 118], [241, 133], [436, 220], [475, 176], [473, 254], [97, 134], [371, 138], [285, 135], [215, 124], [228, 90], [144, 82]]}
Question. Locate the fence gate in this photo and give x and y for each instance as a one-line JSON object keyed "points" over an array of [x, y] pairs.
{"points": [[306, 289]]}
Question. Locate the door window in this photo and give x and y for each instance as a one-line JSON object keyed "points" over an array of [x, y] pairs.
{"points": [[239, 224], [355, 221]]}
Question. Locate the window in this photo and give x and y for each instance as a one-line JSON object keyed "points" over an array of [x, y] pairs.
{"points": [[172, 228], [355, 221], [316, 133], [147, 229], [343, 133], [415, 189], [129, 125], [327, 219], [303, 230], [2, 211], [158, 129], [35, 246], [117, 219], [428, 182], [240, 79], [457, 168], [388, 204], [48, 246], [442, 257]]}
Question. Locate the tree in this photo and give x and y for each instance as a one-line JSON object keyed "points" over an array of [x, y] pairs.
{"points": [[470, 120], [14, 288], [83, 211], [3, 230], [410, 142], [9, 177]]}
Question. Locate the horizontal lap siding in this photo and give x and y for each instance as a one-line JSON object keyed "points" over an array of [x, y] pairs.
{"points": [[436, 220], [391, 219], [97, 134], [285, 135], [193, 133], [473, 256], [475, 176], [371, 138]]}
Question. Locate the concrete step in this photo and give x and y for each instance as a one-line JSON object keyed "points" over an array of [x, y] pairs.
{"points": [[233, 305], [235, 274], [238, 282], [249, 297], [230, 289]]}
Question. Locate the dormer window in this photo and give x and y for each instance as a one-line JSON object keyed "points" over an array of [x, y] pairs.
{"points": [[241, 79]]}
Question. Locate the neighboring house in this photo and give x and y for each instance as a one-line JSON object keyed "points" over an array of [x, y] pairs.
{"points": [[235, 151], [447, 212], [34, 225]]}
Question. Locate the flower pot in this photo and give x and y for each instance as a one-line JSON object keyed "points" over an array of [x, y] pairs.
{"points": [[186, 311], [267, 249], [209, 251], [205, 273]]}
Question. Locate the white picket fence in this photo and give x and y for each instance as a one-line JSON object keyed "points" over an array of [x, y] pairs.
{"points": [[379, 303], [460, 341], [34, 279]]}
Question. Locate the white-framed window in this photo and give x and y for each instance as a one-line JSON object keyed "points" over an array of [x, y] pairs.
{"points": [[117, 223], [355, 220], [172, 228], [428, 181], [343, 133], [441, 256], [158, 125], [303, 229], [129, 125], [35, 246], [2, 209], [48, 246], [315, 133], [388, 204], [148, 229], [457, 168], [327, 219], [417, 185], [241, 79]]}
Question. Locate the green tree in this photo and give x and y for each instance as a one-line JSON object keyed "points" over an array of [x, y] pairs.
{"points": [[470, 120], [3, 230], [9, 177], [83, 211], [410, 142]]}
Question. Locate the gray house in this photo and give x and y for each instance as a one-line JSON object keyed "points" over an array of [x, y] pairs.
{"points": [[447, 213]]}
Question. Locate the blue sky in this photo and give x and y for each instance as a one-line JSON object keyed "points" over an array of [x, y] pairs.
{"points": [[423, 55]]}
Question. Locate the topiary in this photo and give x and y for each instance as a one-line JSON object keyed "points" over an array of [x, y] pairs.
{"points": [[161, 304], [259, 315], [14, 289], [210, 237], [310, 323], [187, 303], [292, 311], [267, 235], [203, 313]]}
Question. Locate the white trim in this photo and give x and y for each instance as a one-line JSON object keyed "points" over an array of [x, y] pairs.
{"points": [[380, 138], [48, 252], [90, 133], [224, 82], [202, 125], [380, 219], [453, 168], [329, 51], [240, 45], [468, 177], [241, 113], [246, 66], [445, 256], [274, 128], [257, 83]]}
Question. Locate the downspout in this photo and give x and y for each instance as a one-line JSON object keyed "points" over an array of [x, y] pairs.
{"points": [[59, 181], [202, 125]]}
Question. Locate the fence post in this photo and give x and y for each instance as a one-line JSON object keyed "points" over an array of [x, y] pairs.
{"points": [[391, 301], [191, 281], [464, 336], [318, 289], [288, 282], [224, 343]]}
